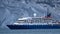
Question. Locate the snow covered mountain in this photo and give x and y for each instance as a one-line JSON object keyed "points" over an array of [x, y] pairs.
{"points": [[11, 10]]}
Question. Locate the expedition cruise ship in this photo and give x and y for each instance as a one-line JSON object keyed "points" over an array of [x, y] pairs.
{"points": [[46, 22]]}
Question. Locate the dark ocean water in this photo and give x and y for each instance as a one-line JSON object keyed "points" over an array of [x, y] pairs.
{"points": [[30, 31]]}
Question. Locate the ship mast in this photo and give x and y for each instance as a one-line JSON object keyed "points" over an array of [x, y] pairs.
{"points": [[48, 13]]}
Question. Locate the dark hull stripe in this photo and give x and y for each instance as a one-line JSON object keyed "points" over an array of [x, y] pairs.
{"points": [[34, 26]]}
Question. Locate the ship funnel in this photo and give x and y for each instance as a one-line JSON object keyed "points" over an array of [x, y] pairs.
{"points": [[49, 15]]}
